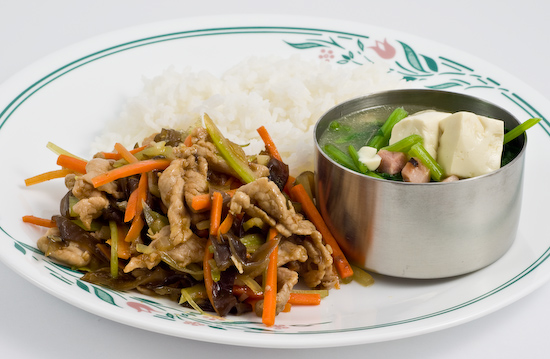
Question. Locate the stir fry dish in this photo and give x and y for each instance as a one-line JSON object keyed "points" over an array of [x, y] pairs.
{"points": [[187, 215]]}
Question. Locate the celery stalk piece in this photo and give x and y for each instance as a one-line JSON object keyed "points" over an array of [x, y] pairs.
{"points": [[382, 138], [355, 157], [307, 180], [362, 277], [340, 157], [374, 174], [60, 151], [114, 248], [190, 294], [322, 292], [418, 151], [250, 282], [156, 149], [227, 151], [252, 242], [254, 222], [405, 144], [521, 128], [215, 271], [155, 221]]}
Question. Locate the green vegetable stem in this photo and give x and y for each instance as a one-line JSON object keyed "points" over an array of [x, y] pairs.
{"points": [[405, 144], [340, 156], [418, 151], [236, 161], [383, 136], [521, 128], [114, 248], [355, 157]]}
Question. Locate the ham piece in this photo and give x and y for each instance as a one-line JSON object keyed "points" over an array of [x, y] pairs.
{"points": [[414, 171], [392, 162]]}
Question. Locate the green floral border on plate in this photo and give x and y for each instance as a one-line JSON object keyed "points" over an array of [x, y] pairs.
{"points": [[430, 71]]}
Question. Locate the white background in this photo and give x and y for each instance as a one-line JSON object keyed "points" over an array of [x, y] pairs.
{"points": [[512, 35]]}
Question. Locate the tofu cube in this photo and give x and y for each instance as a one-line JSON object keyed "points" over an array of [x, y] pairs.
{"points": [[470, 145], [423, 123]]}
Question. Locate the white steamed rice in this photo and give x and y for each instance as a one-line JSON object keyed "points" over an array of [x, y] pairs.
{"points": [[286, 95]]}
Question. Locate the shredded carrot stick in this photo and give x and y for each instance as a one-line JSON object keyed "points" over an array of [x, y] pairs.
{"points": [[124, 153], [135, 229], [201, 202], [117, 156], [269, 144], [129, 170], [216, 213], [188, 141], [134, 207], [289, 184], [270, 288], [46, 176], [299, 194], [305, 298], [131, 206], [143, 187], [43, 222], [225, 226], [104, 250], [294, 299], [123, 248], [72, 163]]}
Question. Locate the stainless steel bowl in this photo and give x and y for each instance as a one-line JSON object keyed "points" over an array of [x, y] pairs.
{"points": [[410, 230]]}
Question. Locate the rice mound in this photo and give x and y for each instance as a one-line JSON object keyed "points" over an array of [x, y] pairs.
{"points": [[286, 95]]}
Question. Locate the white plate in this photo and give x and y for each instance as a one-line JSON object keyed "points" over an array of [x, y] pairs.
{"points": [[69, 96]]}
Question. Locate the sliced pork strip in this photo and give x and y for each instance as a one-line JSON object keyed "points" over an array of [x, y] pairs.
{"points": [[171, 187]]}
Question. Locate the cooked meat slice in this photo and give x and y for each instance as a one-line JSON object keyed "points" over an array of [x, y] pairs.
{"points": [[191, 251], [392, 162], [199, 133], [70, 254], [258, 169], [83, 187], [199, 217], [196, 180], [70, 180], [91, 207], [160, 242], [286, 280], [92, 201], [318, 269], [183, 254], [203, 147], [262, 198], [415, 172], [171, 185], [289, 252]]}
